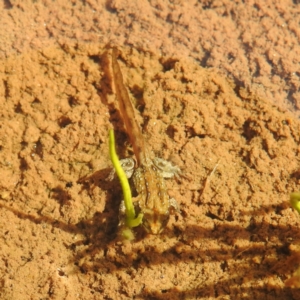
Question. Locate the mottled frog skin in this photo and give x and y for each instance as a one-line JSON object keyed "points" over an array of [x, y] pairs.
{"points": [[148, 176]]}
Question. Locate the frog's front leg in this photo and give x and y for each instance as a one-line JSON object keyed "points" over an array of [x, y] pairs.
{"points": [[174, 206], [168, 170]]}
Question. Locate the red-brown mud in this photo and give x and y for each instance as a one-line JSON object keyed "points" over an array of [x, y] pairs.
{"points": [[236, 236]]}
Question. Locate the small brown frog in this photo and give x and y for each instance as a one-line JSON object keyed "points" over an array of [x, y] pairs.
{"points": [[149, 173]]}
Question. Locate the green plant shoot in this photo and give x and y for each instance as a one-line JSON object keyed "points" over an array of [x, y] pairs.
{"points": [[131, 220], [295, 200]]}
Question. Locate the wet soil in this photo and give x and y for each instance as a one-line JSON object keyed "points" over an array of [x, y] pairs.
{"points": [[227, 116]]}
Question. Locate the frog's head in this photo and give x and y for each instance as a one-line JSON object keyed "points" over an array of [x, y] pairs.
{"points": [[155, 222]]}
